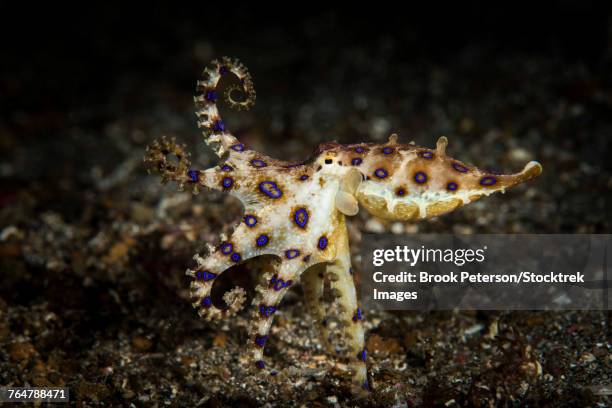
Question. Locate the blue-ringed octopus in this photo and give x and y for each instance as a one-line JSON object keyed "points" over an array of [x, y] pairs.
{"points": [[297, 212]]}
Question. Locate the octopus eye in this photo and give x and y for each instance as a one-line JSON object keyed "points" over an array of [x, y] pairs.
{"points": [[381, 173], [328, 161], [420, 177], [452, 186], [426, 155], [488, 181], [460, 168]]}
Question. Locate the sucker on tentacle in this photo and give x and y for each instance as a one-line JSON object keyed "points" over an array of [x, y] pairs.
{"points": [[296, 212]]}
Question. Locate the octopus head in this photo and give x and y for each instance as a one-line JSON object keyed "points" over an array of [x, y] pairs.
{"points": [[415, 182]]}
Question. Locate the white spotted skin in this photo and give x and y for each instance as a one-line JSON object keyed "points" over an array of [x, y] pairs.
{"points": [[390, 180]]}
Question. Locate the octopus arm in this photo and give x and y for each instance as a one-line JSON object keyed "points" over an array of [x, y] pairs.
{"points": [[313, 285], [240, 247], [209, 120]]}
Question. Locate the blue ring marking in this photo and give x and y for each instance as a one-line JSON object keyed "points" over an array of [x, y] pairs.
{"points": [[359, 149], [205, 275], [207, 301], [301, 217], [236, 257], [304, 177], [279, 284], [488, 181], [356, 161], [358, 315], [211, 96], [452, 186], [366, 385], [460, 168], [262, 240], [387, 150], [239, 147], [193, 175], [226, 167], [226, 248], [420, 177], [258, 163], [322, 244], [362, 355], [218, 126], [426, 155], [227, 182], [351, 271], [266, 311], [381, 173], [260, 364], [260, 340], [270, 189], [250, 220], [223, 70], [292, 253], [400, 192]]}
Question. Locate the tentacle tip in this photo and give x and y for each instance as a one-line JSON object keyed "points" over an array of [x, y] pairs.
{"points": [[362, 390], [532, 169]]}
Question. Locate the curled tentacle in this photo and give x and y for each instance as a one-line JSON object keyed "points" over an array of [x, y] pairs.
{"points": [[157, 159], [209, 119], [204, 275], [239, 247]]}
